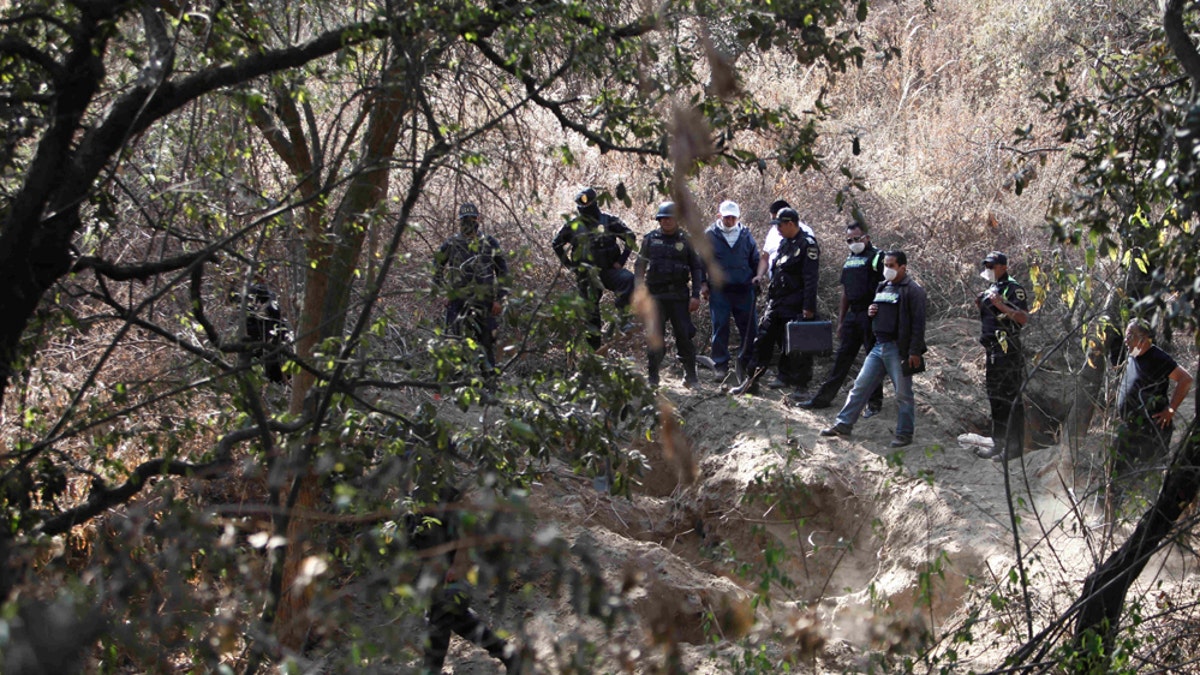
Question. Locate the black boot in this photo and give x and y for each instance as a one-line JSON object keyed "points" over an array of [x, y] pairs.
{"points": [[689, 376]]}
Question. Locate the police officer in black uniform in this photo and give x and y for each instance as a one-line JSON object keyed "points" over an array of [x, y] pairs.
{"points": [[600, 246], [471, 268], [666, 264], [792, 293], [861, 275], [1003, 311], [266, 329]]}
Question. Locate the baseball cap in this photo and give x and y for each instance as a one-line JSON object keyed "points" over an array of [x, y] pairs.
{"points": [[729, 208], [786, 214], [468, 210], [995, 258]]}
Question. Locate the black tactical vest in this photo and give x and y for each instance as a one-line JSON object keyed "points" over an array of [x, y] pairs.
{"points": [[668, 261], [861, 276]]}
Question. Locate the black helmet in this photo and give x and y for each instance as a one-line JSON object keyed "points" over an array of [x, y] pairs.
{"points": [[786, 213], [665, 210], [586, 198]]}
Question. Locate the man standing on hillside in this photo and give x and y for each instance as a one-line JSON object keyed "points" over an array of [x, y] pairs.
{"points": [[791, 295], [861, 275], [1147, 413], [471, 269], [898, 321], [600, 245], [1003, 312], [736, 254], [666, 264], [795, 370]]}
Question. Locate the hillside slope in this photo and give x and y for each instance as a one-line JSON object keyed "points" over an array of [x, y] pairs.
{"points": [[871, 552]]}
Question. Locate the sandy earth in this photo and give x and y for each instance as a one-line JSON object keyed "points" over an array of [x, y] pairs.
{"points": [[868, 532]]}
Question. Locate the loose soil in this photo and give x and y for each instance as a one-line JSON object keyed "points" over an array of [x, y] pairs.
{"points": [[877, 546]]}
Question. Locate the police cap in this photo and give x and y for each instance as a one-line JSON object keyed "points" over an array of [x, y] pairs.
{"points": [[995, 258], [468, 210], [786, 213]]}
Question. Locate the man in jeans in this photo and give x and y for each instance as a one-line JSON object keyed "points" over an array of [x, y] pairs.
{"points": [[898, 320], [736, 255]]}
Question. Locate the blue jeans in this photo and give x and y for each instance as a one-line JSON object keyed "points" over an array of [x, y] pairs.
{"points": [[741, 306], [883, 359]]}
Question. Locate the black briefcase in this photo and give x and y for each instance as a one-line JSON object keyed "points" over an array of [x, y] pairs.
{"points": [[809, 337]]}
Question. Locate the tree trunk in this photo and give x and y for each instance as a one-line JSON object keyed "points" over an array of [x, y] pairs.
{"points": [[1088, 385], [329, 278], [1103, 597]]}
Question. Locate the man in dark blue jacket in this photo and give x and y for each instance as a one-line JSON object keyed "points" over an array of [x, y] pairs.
{"points": [[791, 295], [736, 256]]}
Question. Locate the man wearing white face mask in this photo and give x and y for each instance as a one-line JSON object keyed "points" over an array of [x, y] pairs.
{"points": [[735, 252], [1003, 312], [898, 319], [861, 275]]}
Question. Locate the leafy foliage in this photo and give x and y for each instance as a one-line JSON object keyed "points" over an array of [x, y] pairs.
{"points": [[155, 160]]}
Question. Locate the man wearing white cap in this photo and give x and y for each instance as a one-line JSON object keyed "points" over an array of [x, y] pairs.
{"points": [[736, 254]]}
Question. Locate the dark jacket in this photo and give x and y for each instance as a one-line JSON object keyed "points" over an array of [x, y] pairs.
{"points": [[794, 276], [911, 328], [666, 264], [471, 269], [739, 262], [599, 243]]}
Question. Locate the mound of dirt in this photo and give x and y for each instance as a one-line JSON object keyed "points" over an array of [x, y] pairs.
{"points": [[862, 548]]}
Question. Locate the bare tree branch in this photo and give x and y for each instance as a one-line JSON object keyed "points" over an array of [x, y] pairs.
{"points": [[103, 498], [140, 272]]}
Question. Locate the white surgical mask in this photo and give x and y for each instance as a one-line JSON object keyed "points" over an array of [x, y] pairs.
{"points": [[988, 275], [890, 273], [857, 247], [1136, 351]]}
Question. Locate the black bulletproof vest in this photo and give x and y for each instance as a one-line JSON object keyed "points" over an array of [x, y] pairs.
{"points": [[669, 260], [596, 242], [993, 322], [886, 323], [859, 276]]}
